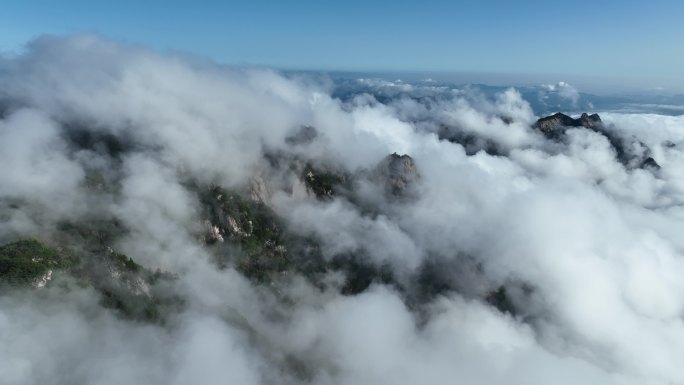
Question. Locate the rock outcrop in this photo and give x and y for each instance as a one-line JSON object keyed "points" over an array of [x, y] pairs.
{"points": [[554, 126], [629, 151], [324, 183], [398, 174]]}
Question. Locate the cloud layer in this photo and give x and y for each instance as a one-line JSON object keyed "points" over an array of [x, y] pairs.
{"points": [[589, 252]]}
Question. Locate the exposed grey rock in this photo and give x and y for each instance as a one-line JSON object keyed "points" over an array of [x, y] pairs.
{"points": [[211, 233], [554, 126], [590, 121], [398, 173], [258, 190]]}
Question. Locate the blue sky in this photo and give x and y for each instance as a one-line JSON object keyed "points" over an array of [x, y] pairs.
{"points": [[622, 39]]}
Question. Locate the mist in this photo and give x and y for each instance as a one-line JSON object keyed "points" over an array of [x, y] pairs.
{"points": [[583, 248]]}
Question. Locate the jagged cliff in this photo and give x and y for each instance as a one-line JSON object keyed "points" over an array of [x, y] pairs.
{"points": [[631, 152]]}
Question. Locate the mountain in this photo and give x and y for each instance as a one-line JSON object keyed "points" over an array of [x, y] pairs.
{"points": [[243, 220], [630, 151], [172, 222]]}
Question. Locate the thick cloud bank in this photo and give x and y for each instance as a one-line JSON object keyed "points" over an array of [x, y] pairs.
{"points": [[586, 252]]}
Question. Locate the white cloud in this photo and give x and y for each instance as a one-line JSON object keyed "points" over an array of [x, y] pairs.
{"points": [[564, 90], [599, 246]]}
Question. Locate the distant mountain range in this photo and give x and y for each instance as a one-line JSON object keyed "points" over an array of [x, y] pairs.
{"points": [[544, 99]]}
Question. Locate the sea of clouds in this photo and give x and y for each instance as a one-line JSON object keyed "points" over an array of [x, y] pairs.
{"points": [[590, 251]]}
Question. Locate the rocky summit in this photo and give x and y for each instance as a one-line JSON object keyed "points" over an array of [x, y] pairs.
{"points": [[398, 172], [630, 151], [552, 126]]}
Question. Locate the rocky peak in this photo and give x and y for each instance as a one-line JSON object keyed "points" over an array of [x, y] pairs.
{"points": [[590, 121], [631, 152], [324, 182], [555, 120], [258, 190], [398, 172], [552, 125]]}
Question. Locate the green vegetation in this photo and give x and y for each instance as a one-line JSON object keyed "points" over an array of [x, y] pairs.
{"points": [[130, 289], [90, 235], [25, 261], [324, 184], [125, 263], [252, 226], [154, 306], [267, 248], [127, 287]]}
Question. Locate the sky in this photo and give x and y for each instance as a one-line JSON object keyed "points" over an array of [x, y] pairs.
{"points": [[624, 40]]}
